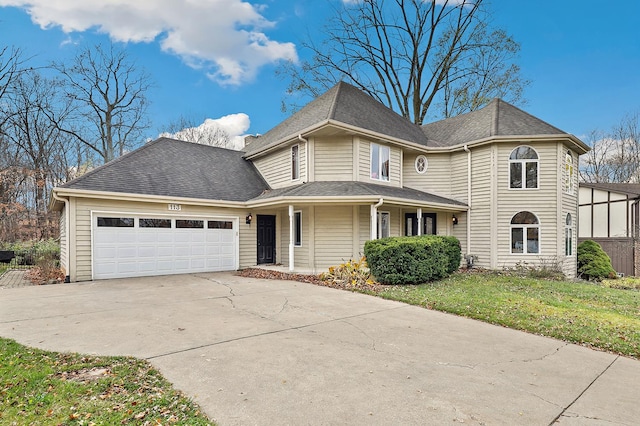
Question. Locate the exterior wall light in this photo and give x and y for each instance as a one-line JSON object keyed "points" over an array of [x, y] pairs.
{"points": [[248, 219], [454, 220]]}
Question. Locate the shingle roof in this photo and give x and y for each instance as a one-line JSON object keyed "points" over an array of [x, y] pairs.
{"points": [[173, 168], [348, 189], [632, 189], [497, 118], [343, 103]]}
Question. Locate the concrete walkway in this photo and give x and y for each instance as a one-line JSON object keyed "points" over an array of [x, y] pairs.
{"points": [[260, 352]]}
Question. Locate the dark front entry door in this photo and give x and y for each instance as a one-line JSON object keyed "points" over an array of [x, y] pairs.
{"points": [[266, 238], [428, 224]]}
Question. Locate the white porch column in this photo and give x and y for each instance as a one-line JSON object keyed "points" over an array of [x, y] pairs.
{"points": [[291, 239], [419, 221], [374, 222], [374, 219]]}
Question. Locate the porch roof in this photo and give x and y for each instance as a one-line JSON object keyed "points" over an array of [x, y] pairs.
{"points": [[355, 192]]}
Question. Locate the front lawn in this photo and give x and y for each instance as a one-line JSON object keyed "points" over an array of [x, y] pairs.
{"points": [[47, 388], [583, 313]]}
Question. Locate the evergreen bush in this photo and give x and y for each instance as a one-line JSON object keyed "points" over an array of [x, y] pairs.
{"points": [[593, 262], [412, 260]]}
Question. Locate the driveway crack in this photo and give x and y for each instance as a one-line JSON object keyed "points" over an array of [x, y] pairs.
{"points": [[564, 410]]}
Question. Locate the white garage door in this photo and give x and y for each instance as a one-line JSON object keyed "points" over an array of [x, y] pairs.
{"points": [[137, 245]]}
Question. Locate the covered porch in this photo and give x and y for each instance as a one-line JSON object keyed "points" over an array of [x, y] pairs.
{"points": [[313, 226]]}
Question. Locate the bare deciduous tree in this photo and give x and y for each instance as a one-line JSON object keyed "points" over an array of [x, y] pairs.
{"points": [[38, 145], [207, 133], [108, 94], [614, 156], [414, 56]]}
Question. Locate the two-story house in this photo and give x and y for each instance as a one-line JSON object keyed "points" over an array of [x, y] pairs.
{"points": [[311, 191]]}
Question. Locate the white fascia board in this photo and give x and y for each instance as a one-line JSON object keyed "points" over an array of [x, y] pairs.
{"points": [[123, 196]]}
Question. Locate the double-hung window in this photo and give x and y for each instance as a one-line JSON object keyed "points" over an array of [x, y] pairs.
{"points": [[523, 168], [379, 162]]}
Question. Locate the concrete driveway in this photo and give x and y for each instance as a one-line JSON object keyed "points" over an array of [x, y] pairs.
{"points": [[278, 352]]}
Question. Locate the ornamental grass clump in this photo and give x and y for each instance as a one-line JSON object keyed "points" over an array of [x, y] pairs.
{"points": [[353, 273], [413, 260]]}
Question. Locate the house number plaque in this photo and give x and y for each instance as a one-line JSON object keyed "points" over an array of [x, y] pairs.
{"points": [[175, 207]]}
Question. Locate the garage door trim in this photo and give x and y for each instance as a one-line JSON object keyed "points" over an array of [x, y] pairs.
{"points": [[138, 214]]}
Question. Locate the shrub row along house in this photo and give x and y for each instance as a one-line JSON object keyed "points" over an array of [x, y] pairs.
{"points": [[311, 191]]}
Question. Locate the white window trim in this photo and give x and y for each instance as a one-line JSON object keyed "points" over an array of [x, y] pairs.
{"points": [[426, 164], [524, 171], [568, 234], [297, 165], [525, 227], [569, 182], [297, 212], [375, 146]]}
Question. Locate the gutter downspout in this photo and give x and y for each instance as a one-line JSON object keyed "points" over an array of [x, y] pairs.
{"points": [[67, 222], [468, 151], [374, 219]]}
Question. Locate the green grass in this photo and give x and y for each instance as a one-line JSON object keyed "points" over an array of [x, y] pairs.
{"points": [[48, 388], [582, 313]]}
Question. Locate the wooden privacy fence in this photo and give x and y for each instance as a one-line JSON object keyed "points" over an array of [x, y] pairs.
{"points": [[621, 250]]}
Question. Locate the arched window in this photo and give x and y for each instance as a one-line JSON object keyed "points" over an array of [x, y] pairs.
{"points": [[525, 233], [568, 235], [568, 173], [523, 168]]}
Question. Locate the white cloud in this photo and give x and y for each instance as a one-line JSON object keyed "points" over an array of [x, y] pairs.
{"points": [[225, 38], [235, 126]]}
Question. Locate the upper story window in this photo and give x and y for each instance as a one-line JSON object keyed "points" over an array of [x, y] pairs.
{"points": [[569, 185], [295, 162], [379, 162], [421, 164], [523, 168], [525, 233]]}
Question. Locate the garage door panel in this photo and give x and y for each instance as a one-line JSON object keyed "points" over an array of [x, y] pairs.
{"points": [[133, 251], [147, 251]]}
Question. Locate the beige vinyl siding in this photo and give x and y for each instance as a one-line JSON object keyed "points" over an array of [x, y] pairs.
{"points": [[436, 180], [333, 159], [64, 241], [275, 167], [458, 175], [84, 207], [365, 227], [481, 199], [543, 202], [333, 235]]}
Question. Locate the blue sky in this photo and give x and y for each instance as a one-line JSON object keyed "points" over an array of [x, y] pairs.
{"points": [[582, 56]]}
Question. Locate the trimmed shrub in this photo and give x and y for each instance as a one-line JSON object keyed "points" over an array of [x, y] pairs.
{"points": [[412, 260], [593, 262]]}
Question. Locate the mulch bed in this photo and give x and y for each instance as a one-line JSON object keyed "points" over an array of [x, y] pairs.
{"points": [[305, 278]]}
